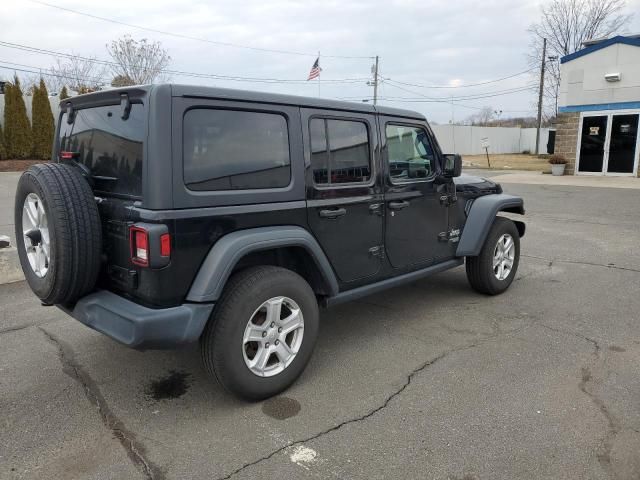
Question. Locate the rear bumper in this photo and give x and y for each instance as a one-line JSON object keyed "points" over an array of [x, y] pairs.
{"points": [[141, 327]]}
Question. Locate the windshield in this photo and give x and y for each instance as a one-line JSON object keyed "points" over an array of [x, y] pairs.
{"points": [[110, 147]]}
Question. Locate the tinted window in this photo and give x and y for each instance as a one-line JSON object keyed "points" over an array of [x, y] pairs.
{"points": [[339, 151], [409, 153], [232, 150], [112, 148]]}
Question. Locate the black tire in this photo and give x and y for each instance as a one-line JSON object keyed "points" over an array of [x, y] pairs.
{"points": [[480, 272], [222, 341], [75, 232]]}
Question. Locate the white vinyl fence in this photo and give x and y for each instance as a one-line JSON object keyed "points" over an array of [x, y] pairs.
{"points": [[467, 140]]}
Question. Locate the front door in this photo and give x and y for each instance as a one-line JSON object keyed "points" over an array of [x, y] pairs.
{"points": [[623, 144], [609, 144], [592, 144], [416, 217], [344, 199]]}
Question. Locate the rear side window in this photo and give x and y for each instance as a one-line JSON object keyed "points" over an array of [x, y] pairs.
{"points": [[235, 150], [110, 147], [340, 151]]}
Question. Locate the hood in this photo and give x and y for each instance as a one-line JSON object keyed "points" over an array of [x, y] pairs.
{"points": [[475, 186]]}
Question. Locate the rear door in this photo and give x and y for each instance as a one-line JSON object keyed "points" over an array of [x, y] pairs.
{"points": [[416, 217], [344, 198]]}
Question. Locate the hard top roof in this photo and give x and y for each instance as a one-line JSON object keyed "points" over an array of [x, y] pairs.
{"points": [[179, 90]]}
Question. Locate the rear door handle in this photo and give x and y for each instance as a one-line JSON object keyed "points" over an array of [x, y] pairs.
{"points": [[334, 213], [398, 205]]}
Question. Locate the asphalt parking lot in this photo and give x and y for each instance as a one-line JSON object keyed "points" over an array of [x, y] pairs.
{"points": [[429, 380]]}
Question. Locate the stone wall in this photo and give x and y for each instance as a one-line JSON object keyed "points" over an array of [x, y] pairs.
{"points": [[567, 139]]}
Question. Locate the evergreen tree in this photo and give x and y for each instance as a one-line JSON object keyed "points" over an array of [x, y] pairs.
{"points": [[17, 130], [63, 93], [3, 152], [43, 126]]}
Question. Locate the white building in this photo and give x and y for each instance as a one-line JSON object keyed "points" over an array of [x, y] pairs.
{"points": [[599, 105]]}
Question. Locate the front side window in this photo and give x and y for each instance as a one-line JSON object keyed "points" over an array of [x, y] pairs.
{"points": [[409, 153], [340, 151], [235, 150]]}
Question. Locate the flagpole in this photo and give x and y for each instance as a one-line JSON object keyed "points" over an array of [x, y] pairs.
{"points": [[319, 73]]}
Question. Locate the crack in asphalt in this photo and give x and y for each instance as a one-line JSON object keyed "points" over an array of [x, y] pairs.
{"points": [[15, 329], [579, 262], [135, 450], [381, 407], [604, 455]]}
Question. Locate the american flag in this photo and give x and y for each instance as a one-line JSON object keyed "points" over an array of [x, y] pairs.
{"points": [[315, 70]]}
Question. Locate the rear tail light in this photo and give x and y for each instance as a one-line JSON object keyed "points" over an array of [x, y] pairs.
{"points": [[139, 246], [150, 245]]}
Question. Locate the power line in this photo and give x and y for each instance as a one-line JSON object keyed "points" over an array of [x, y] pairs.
{"points": [[463, 86], [198, 39], [425, 98], [237, 78]]}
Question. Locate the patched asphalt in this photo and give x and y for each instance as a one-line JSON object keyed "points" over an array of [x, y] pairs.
{"points": [[429, 380]]}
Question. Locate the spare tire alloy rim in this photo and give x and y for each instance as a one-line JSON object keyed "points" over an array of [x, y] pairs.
{"points": [[35, 230], [273, 336], [503, 256]]}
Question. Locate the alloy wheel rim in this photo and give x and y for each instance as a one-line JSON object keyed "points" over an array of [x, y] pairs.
{"points": [[273, 336], [35, 233], [503, 256]]}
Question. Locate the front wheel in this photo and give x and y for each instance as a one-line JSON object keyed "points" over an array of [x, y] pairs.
{"points": [[262, 332], [493, 270]]}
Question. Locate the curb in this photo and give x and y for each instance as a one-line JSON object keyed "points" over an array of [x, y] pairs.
{"points": [[10, 270]]}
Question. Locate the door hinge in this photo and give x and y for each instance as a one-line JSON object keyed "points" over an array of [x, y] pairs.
{"points": [[452, 236], [448, 200], [377, 251]]}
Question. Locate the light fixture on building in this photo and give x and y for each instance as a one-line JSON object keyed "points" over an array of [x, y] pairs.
{"points": [[612, 77]]}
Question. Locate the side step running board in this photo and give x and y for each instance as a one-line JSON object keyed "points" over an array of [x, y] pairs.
{"points": [[390, 283]]}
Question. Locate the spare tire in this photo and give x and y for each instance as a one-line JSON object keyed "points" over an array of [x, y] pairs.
{"points": [[58, 232]]}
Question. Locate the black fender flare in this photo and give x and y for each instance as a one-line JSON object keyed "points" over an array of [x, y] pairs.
{"points": [[228, 250], [483, 211]]}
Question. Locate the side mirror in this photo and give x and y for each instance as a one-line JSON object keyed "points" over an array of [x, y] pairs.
{"points": [[452, 165]]}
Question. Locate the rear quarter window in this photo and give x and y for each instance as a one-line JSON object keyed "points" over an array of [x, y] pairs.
{"points": [[235, 150]]}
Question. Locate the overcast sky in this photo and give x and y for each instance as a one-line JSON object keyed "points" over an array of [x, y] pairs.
{"points": [[430, 43]]}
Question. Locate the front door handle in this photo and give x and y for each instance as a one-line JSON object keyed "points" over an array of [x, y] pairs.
{"points": [[334, 213], [398, 205]]}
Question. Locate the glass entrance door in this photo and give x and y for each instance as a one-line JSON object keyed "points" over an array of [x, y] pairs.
{"points": [[623, 143], [592, 144]]}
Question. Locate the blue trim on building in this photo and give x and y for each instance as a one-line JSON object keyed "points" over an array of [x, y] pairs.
{"points": [[599, 46], [601, 106]]}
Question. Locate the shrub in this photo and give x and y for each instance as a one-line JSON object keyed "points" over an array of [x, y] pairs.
{"points": [[557, 160], [64, 93], [18, 141], [43, 126]]}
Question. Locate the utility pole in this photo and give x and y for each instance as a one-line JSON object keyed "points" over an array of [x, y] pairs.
{"points": [[375, 82], [544, 57]]}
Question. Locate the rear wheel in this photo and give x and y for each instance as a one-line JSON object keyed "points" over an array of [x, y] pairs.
{"points": [[262, 332], [493, 270]]}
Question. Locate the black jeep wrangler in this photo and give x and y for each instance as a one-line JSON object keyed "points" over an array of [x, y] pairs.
{"points": [[176, 213]]}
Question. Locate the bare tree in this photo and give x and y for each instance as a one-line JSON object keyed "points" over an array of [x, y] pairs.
{"points": [[482, 117], [567, 24], [138, 62], [82, 74]]}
